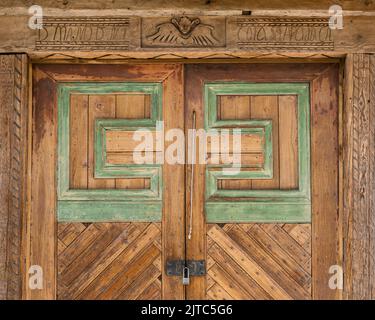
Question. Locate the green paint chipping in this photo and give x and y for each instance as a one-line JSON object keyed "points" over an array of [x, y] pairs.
{"points": [[284, 206], [108, 204]]}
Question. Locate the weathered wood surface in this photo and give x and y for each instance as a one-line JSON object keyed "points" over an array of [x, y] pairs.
{"points": [[359, 185], [13, 142], [326, 223], [82, 148], [43, 180], [173, 226], [198, 5], [324, 157], [105, 37], [259, 261], [109, 261], [43, 234]]}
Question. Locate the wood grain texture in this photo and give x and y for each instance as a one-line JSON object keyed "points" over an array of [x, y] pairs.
{"points": [[82, 157], [234, 108], [198, 5], [325, 184], [359, 190], [109, 261], [173, 228], [249, 261], [43, 178], [288, 142], [104, 239], [100, 106], [266, 107], [79, 138], [323, 80], [132, 107], [13, 150], [306, 32]]}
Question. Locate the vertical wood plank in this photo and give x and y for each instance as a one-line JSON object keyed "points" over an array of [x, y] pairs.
{"points": [[100, 106], [371, 185], [361, 258], [43, 177], [324, 176], [79, 130], [131, 107], [359, 170], [196, 246], [173, 226], [348, 151], [6, 80], [237, 108], [13, 165], [266, 107], [288, 142]]}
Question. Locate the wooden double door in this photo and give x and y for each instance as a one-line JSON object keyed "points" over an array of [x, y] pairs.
{"points": [[103, 225]]}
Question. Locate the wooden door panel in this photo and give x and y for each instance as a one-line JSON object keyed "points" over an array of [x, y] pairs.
{"points": [[282, 110], [111, 232], [85, 109], [258, 261], [104, 246], [108, 260], [250, 259]]}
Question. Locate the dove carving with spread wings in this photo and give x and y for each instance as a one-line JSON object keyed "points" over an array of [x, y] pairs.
{"points": [[183, 31]]}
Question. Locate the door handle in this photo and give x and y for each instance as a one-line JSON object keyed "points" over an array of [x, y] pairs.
{"points": [[192, 158]]}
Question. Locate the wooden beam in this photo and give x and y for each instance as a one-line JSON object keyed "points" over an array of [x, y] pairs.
{"points": [[141, 37], [197, 5], [13, 138], [359, 175]]}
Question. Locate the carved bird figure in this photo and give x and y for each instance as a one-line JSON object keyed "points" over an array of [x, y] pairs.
{"points": [[184, 31]]}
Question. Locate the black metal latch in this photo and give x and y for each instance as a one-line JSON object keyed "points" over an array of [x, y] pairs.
{"points": [[183, 268]]}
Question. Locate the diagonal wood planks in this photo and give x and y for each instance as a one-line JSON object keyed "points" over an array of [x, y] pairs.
{"points": [[258, 261], [109, 261]]}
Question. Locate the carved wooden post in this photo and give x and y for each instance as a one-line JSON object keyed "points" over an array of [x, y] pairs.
{"points": [[359, 177], [13, 123]]}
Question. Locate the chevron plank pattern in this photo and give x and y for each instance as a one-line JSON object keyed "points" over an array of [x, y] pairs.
{"points": [[258, 261], [109, 261]]}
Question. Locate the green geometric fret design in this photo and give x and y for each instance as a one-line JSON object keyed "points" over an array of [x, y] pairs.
{"points": [[108, 204], [259, 205], [103, 169]]}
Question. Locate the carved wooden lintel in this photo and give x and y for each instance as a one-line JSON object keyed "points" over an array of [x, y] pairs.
{"points": [[185, 32], [235, 35]]}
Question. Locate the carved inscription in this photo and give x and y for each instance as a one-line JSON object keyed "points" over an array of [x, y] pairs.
{"points": [[94, 33], [269, 33], [183, 31], [241, 33]]}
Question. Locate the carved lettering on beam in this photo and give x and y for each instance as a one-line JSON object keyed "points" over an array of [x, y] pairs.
{"points": [[276, 33], [93, 33]]}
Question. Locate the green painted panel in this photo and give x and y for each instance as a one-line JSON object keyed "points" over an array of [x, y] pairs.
{"points": [[101, 211], [264, 131], [247, 211], [106, 170], [106, 204], [259, 205]]}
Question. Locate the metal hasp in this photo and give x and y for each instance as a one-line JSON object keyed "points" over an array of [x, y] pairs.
{"points": [[196, 267]]}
